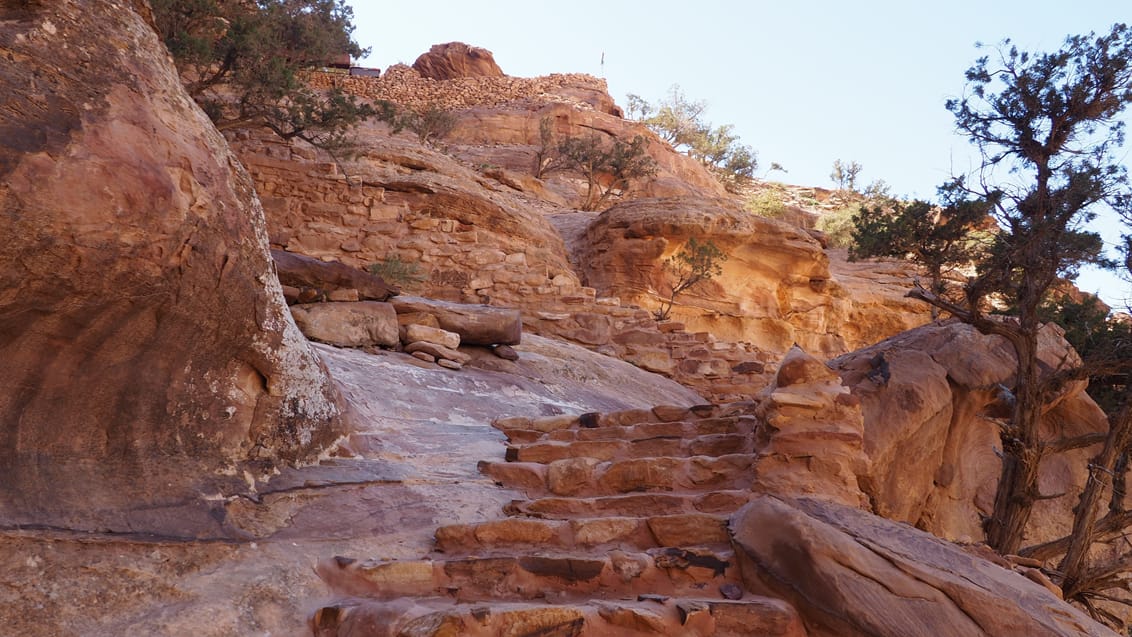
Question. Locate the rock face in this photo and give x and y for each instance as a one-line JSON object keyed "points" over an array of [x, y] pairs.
{"points": [[456, 59], [811, 439], [773, 290], [930, 397], [149, 358], [853, 574]]}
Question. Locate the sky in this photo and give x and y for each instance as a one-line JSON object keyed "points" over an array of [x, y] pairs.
{"points": [[803, 82]]}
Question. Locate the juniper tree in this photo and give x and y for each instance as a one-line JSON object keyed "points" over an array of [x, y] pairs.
{"points": [[242, 62], [1046, 126]]}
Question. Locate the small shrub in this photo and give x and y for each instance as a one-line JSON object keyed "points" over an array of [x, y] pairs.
{"points": [[838, 226], [393, 270], [695, 263], [767, 203]]}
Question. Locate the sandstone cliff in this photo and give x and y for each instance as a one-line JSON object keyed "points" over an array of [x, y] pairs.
{"points": [[149, 358]]}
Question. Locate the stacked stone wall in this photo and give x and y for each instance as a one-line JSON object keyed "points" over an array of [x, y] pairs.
{"points": [[404, 86], [312, 208]]}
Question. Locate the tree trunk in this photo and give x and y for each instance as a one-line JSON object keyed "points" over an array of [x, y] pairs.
{"points": [[1101, 471], [1021, 453]]}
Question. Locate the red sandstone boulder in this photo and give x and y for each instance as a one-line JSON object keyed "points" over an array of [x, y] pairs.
{"points": [[932, 437], [852, 574], [149, 360], [456, 59]]}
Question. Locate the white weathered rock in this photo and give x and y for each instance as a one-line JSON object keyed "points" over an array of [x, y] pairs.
{"points": [[415, 333], [347, 324]]}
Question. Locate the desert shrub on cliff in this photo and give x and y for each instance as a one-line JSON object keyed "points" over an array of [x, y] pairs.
{"points": [[393, 269], [695, 263], [609, 168], [242, 63], [678, 121], [941, 238], [844, 174]]}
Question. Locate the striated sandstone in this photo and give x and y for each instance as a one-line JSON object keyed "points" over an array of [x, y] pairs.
{"points": [[149, 358], [931, 432]]}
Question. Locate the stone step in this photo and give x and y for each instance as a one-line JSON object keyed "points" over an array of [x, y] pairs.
{"points": [[723, 502], [738, 425], [554, 576], [586, 477], [627, 417], [650, 615], [640, 533], [657, 446]]}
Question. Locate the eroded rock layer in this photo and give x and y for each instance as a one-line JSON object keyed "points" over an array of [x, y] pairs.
{"points": [[150, 365]]}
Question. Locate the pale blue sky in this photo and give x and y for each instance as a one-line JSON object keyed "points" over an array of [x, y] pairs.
{"points": [[803, 82]]}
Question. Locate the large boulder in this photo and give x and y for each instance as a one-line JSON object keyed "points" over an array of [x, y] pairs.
{"points": [[931, 399], [853, 574], [150, 366], [456, 59]]}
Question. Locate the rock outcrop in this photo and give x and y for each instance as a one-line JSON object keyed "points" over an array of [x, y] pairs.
{"points": [[149, 358], [810, 442], [774, 289], [853, 574], [931, 397], [456, 59]]}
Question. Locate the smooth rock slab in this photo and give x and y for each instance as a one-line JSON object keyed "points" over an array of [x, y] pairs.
{"points": [[851, 573]]}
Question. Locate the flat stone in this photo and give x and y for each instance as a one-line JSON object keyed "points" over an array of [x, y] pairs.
{"points": [[439, 351], [506, 352], [423, 333], [512, 422], [592, 532], [515, 531], [523, 475], [571, 476], [449, 364], [424, 356], [642, 474], [403, 578], [689, 529], [670, 413], [552, 423]]}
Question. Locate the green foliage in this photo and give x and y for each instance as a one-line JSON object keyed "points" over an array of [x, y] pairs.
{"points": [[1099, 338], [547, 157], [844, 174], [768, 203], [242, 62], [694, 264], [430, 125], [393, 270], [1047, 126], [678, 121], [938, 238], [609, 168], [837, 226]]}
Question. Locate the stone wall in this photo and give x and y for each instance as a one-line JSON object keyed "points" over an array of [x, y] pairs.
{"points": [[402, 85], [313, 208]]}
